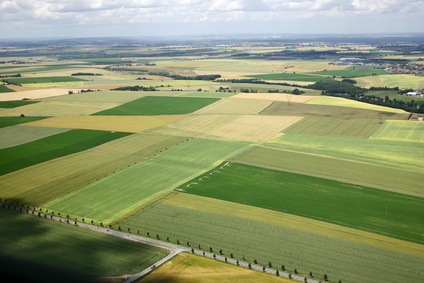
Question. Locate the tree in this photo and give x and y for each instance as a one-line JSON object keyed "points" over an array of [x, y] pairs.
{"points": [[238, 263], [220, 252], [325, 277], [249, 265], [306, 280], [192, 250], [226, 260], [310, 273], [295, 271], [255, 261], [277, 273], [210, 249], [283, 267], [263, 268], [231, 255], [290, 276], [214, 256], [269, 264]]}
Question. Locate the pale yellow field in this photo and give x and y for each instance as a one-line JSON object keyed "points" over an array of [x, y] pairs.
{"points": [[130, 124], [196, 269], [33, 94], [283, 97], [401, 81], [292, 221], [235, 106], [340, 101], [58, 108], [255, 128], [410, 131]]}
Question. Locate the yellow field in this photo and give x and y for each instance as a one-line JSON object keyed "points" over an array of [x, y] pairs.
{"points": [[57, 108], [33, 94], [283, 97], [130, 124], [340, 101], [196, 269], [411, 131], [401, 81], [291, 221], [235, 106], [255, 128]]}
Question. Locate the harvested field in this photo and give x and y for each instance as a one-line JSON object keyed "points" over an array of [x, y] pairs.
{"points": [[57, 108], [113, 97], [53, 251], [221, 207], [293, 77], [33, 94], [410, 131], [158, 105], [380, 177], [205, 94], [130, 124], [249, 239], [16, 135], [196, 269], [33, 186], [327, 126], [394, 154], [235, 106], [308, 109], [282, 97], [256, 128], [123, 192], [340, 101], [376, 211]]}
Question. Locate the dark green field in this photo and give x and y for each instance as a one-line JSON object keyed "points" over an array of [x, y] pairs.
{"points": [[40, 250], [21, 156], [291, 77], [10, 121], [4, 88], [353, 73], [44, 80], [378, 211], [13, 104], [305, 109], [157, 105]]}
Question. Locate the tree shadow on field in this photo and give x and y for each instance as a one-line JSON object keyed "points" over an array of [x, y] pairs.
{"points": [[27, 253]]}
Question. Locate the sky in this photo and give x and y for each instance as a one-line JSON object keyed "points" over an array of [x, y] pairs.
{"points": [[104, 18]]}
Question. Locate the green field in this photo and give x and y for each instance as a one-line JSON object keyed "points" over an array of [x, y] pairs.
{"points": [[34, 186], [306, 109], [13, 104], [326, 126], [292, 77], [412, 131], [125, 191], [36, 80], [392, 94], [158, 105], [4, 88], [394, 154], [17, 135], [377, 211], [50, 251], [55, 146], [11, 121], [352, 73], [249, 239]]}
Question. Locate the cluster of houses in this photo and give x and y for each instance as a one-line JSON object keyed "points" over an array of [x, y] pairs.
{"points": [[415, 93]]}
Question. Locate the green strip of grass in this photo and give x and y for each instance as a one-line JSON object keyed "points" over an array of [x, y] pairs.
{"points": [[50, 251], [377, 211], [353, 73], [25, 155], [3, 89], [14, 104], [44, 80], [158, 105], [10, 121]]}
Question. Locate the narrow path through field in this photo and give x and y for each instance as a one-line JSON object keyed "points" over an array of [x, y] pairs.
{"points": [[174, 249]]}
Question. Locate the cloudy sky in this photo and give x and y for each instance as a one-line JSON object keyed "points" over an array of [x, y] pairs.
{"points": [[86, 18]]}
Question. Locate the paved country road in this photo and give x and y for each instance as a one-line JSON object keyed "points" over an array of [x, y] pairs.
{"points": [[172, 248]]}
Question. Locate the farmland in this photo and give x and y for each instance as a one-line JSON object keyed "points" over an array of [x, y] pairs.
{"points": [[208, 157]]}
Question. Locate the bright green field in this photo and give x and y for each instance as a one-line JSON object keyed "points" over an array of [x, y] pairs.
{"points": [[48, 249], [326, 126], [13, 104], [341, 260], [412, 131], [352, 73], [45, 80], [121, 193], [377, 211], [11, 121], [381, 177], [55, 146], [292, 77], [17, 135], [4, 88], [157, 105], [395, 154], [307, 109]]}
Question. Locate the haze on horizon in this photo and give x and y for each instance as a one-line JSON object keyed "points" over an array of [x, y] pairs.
{"points": [[99, 18]]}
